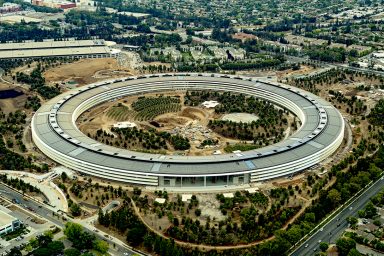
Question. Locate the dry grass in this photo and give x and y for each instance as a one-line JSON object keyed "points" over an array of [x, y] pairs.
{"points": [[82, 71]]}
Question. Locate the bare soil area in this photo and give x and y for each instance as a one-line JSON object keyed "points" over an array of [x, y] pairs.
{"points": [[190, 122], [86, 71], [290, 72]]}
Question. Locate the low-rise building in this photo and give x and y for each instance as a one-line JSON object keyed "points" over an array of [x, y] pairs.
{"points": [[8, 223], [184, 48], [10, 7], [236, 54], [135, 14], [174, 54], [64, 49], [305, 41], [171, 52], [338, 45], [62, 4], [132, 48], [218, 52], [200, 56], [360, 48]]}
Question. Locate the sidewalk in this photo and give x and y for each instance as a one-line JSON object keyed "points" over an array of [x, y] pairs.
{"points": [[55, 196]]}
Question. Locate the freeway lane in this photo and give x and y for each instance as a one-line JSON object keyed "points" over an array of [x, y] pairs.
{"points": [[335, 227], [46, 213]]}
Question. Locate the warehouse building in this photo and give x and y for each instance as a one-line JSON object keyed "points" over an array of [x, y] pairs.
{"points": [[63, 49]]}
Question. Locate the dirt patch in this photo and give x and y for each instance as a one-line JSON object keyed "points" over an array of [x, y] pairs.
{"points": [[167, 120], [210, 207], [290, 72], [193, 113], [103, 74], [86, 71]]}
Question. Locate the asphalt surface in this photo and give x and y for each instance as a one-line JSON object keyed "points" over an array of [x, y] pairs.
{"points": [[336, 226], [44, 212], [336, 65]]}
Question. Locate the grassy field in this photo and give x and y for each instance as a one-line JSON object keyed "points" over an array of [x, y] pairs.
{"points": [[151, 112], [241, 147], [121, 113], [144, 109]]}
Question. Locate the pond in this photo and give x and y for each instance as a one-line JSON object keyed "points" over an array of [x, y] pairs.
{"points": [[9, 94]]}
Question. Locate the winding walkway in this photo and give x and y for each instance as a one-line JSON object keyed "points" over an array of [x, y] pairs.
{"points": [[218, 247]]}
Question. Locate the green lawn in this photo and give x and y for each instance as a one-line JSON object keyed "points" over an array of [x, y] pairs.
{"points": [[241, 147]]}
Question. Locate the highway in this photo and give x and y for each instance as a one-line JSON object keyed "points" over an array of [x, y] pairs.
{"points": [[46, 213], [332, 230]]}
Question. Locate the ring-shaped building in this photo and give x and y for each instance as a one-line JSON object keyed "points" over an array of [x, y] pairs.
{"points": [[55, 133]]}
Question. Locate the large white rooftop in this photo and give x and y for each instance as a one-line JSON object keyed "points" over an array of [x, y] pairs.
{"points": [[50, 44], [35, 53], [5, 219]]}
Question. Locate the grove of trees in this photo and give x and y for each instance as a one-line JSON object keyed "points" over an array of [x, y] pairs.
{"points": [[37, 83]]}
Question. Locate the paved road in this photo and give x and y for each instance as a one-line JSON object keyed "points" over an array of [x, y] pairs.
{"points": [[47, 213], [335, 227], [337, 65], [298, 59]]}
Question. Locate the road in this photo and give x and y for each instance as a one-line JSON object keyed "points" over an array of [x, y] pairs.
{"points": [[304, 59], [336, 65], [46, 213], [336, 226]]}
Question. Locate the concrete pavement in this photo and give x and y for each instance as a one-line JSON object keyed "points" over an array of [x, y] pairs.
{"points": [[43, 182]]}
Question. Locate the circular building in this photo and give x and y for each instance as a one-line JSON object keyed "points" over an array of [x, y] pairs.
{"points": [[55, 133]]}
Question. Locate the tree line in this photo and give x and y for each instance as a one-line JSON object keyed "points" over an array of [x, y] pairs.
{"points": [[12, 125], [37, 82]]}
